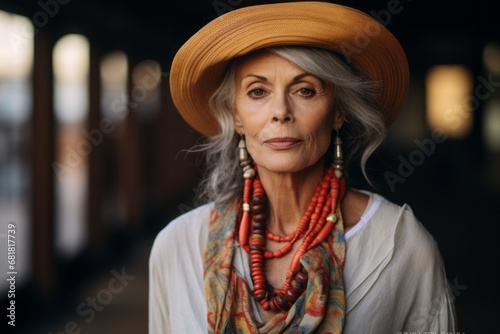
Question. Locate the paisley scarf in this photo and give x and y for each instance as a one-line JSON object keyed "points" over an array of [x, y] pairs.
{"points": [[320, 309]]}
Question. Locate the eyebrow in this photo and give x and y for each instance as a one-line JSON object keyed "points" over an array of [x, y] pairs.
{"points": [[260, 77], [296, 78]]}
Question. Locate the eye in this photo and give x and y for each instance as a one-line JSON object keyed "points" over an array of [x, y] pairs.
{"points": [[256, 93], [306, 92]]}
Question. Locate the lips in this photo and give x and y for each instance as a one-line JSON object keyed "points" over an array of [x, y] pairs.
{"points": [[282, 143]]}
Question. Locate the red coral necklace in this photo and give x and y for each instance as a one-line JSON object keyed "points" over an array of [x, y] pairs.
{"points": [[314, 227]]}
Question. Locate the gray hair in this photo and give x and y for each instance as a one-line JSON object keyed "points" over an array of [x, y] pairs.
{"points": [[363, 131]]}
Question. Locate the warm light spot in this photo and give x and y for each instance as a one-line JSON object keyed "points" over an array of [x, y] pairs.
{"points": [[147, 74], [114, 71], [491, 125], [491, 58], [16, 63], [450, 103], [71, 58], [16, 45], [145, 93], [114, 68], [71, 68]]}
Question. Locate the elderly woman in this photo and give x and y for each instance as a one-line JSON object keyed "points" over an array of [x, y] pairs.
{"points": [[282, 244]]}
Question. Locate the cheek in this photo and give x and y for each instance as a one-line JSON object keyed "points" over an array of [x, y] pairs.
{"points": [[321, 126], [248, 117], [321, 135], [323, 139], [250, 126], [252, 123]]}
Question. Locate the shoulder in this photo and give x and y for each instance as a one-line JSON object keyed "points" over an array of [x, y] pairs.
{"points": [[374, 214], [361, 208], [409, 232], [390, 252], [176, 274], [189, 228], [388, 227]]}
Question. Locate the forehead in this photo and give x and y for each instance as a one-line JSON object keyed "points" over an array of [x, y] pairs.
{"points": [[263, 61]]}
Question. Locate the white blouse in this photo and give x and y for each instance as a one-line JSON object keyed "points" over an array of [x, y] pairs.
{"points": [[394, 274]]}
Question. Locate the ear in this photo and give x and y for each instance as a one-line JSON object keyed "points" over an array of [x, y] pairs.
{"points": [[338, 120], [238, 124]]}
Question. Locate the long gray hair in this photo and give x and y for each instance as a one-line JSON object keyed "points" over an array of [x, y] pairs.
{"points": [[363, 131]]}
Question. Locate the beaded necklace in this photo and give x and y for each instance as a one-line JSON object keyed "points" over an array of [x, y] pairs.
{"points": [[314, 227]]}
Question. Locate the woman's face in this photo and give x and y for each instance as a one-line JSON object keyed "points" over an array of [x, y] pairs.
{"points": [[285, 113]]}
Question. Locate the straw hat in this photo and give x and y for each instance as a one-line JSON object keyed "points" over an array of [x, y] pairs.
{"points": [[199, 65]]}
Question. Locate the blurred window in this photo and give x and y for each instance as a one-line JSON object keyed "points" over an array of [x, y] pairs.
{"points": [[73, 143], [16, 63], [146, 90], [114, 71], [114, 106]]}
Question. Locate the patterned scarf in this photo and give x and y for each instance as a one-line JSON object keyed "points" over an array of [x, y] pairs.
{"points": [[320, 309]]}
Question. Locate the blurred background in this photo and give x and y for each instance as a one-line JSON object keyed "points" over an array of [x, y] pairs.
{"points": [[92, 161]]}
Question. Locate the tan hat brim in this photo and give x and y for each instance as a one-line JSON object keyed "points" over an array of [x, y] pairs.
{"points": [[198, 67]]}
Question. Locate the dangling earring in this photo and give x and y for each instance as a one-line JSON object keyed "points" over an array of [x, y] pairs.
{"points": [[337, 187], [338, 156], [248, 175], [245, 163]]}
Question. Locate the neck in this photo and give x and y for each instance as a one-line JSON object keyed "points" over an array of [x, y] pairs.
{"points": [[289, 195]]}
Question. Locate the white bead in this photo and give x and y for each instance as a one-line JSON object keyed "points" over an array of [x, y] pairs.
{"points": [[332, 218], [249, 173], [246, 207], [338, 173]]}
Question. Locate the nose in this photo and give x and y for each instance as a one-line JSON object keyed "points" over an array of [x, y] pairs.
{"points": [[282, 112]]}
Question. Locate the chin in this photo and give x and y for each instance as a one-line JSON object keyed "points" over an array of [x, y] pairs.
{"points": [[284, 166]]}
